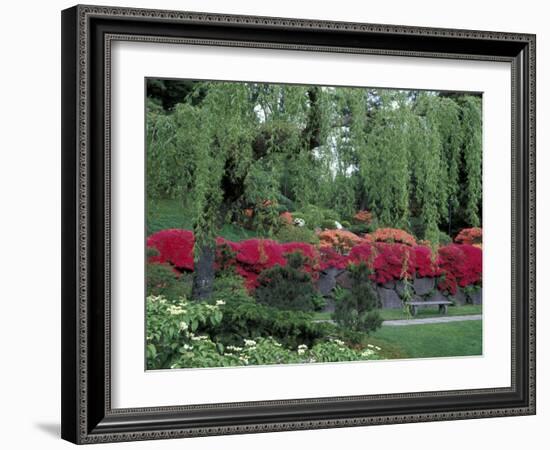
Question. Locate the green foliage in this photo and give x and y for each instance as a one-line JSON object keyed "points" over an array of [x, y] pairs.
{"points": [[444, 239], [288, 287], [248, 320], [384, 163], [472, 158], [161, 280], [182, 334], [291, 233], [356, 307], [171, 327], [315, 216], [327, 152]]}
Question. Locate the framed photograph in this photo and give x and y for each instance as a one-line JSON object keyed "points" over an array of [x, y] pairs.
{"points": [[280, 224]]}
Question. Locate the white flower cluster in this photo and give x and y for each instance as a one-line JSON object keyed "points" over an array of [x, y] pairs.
{"points": [[220, 302], [299, 222], [199, 338], [374, 347], [339, 342], [176, 310], [368, 352], [157, 299], [249, 343], [302, 349], [233, 348], [183, 326]]}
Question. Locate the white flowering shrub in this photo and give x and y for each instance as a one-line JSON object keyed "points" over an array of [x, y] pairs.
{"points": [[173, 341]]}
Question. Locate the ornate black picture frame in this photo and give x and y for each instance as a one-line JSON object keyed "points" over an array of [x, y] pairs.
{"points": [[87, 34]]}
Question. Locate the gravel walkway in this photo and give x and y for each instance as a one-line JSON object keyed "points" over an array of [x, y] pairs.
{"points": [[442, 319]]}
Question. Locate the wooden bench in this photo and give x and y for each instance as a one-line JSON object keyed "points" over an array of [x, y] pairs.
{"points": [[443, 304]]}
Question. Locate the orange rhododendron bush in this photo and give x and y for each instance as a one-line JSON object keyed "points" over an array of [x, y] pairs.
{"points": [[471, 236], [393, 235], [363, 216], [341, 240]]}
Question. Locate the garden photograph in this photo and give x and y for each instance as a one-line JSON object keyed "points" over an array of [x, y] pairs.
{"points": [[299, 224]]}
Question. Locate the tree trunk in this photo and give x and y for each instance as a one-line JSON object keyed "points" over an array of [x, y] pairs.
{"points": [[203, 279]]}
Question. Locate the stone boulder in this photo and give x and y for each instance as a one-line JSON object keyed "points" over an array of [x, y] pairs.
{"points": [[327, 280], [423, 286], [343, 280], [436, 296], [389, 298], [460, 298], [477, 297]]}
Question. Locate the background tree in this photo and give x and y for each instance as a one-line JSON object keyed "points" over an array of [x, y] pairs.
{"points": [[412, 158]]}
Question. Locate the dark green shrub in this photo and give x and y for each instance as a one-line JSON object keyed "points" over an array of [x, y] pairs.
{"points": [[250, 320], [229, 288], [328, 224], [319, 302], [359, 228], [162, 280], [346, 224], [356, 308], [288, 287]]}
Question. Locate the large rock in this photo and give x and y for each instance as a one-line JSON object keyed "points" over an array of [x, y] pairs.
{"points": [[389, 298], [436, 296], [477, 297], [460, 298], [423, 286], [327, 280], [343, 280]]}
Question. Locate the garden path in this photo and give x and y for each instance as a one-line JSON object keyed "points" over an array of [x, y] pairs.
{"points": [[442, 319]]}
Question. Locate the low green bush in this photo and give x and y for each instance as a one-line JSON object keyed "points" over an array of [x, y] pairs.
{"points": [[291, 233], [162, 280], [287, 287], [314, 216], [356, 308]]}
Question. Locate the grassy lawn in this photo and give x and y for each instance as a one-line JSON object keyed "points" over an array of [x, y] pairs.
{"points": [[164, 214], [396, 314], [434, 340]]}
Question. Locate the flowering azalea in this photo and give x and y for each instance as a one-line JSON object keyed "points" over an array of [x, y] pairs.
{"points": [[393, 235], [469, 236]]}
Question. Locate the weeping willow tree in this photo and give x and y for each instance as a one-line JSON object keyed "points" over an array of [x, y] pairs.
{"points": [[400, 154]]}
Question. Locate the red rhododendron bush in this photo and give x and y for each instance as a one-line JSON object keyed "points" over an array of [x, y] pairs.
{"points": [[461, 265], [174, 246], [250, 257], [455, 264]]}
